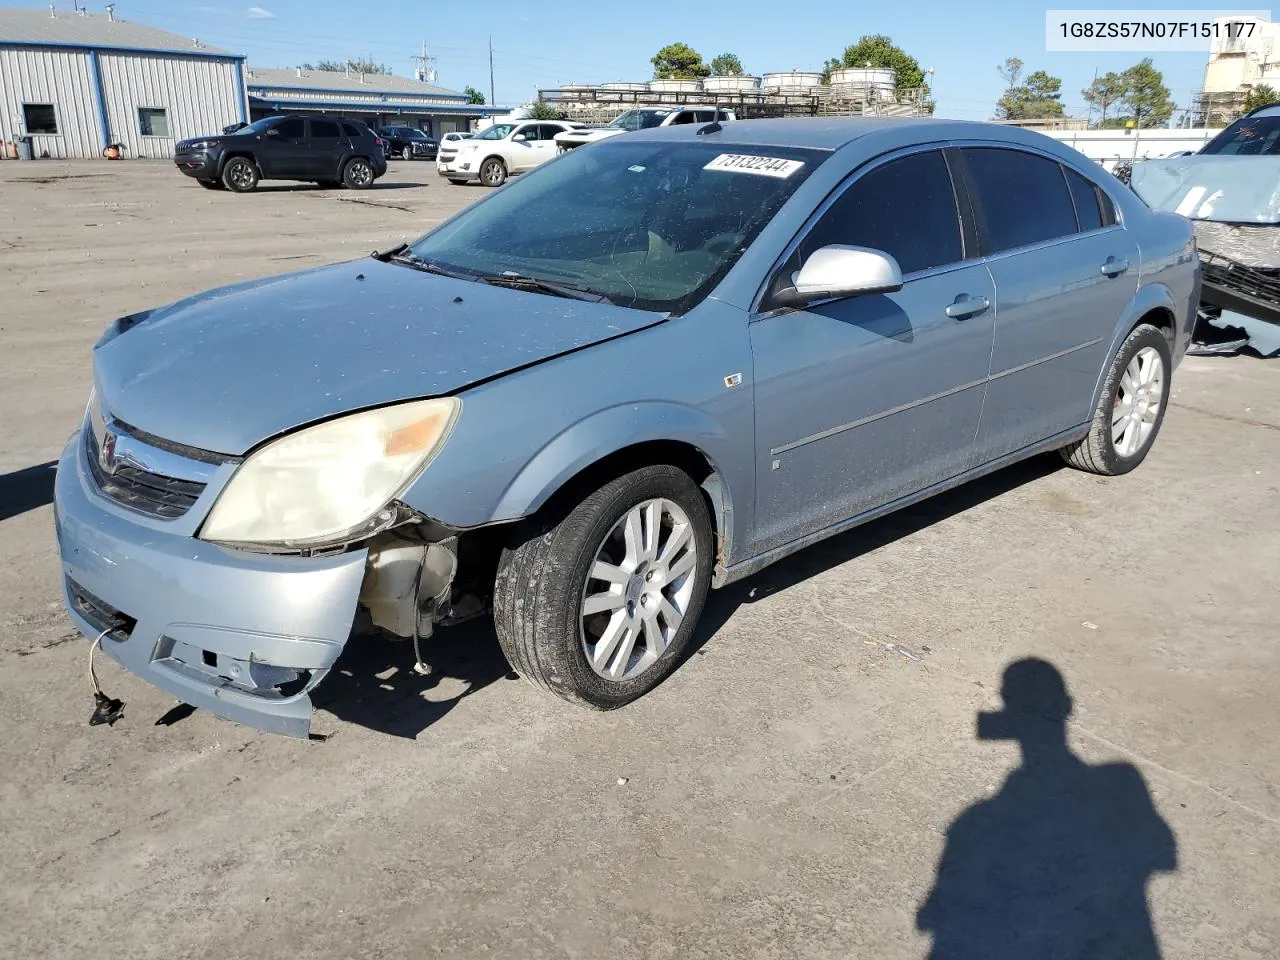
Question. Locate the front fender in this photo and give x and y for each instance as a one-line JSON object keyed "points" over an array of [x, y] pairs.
{"points": [[601, 434]]}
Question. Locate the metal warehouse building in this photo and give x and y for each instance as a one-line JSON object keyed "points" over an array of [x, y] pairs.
{"points": [[377, 99], [75, 82]]}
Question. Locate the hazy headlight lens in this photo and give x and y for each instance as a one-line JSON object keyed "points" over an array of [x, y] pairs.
{"points": [[329, 482]]}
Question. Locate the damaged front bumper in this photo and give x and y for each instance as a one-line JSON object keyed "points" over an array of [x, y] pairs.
{"points": [[243, 635]]}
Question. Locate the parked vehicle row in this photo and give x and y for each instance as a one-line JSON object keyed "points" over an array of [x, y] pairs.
{"points": [[762, 334], [408, 143], [326, 151]]}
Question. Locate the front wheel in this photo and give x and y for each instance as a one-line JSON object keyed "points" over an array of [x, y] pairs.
{"points": [[1131, 408], [406, 154], [240, 174], [493, 172], [599, 607], [358, 173]]}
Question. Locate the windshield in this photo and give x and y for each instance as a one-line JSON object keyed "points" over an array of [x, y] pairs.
{"points": [[652, 225], [496, 132], [1248, 136], [640, 119]]}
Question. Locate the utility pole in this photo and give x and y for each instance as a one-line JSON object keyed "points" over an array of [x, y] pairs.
{"points": [[492, 99], [426, 65]]}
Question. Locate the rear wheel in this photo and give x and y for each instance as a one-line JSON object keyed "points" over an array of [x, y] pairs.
{"points": [[599, 607], [211, 184], [240, 174], [358, 173], [1131, 408], [493, 172]]}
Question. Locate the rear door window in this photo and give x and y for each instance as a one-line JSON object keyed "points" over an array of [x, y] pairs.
{"points": [[1085, 196], [324, 130], [906, 208], [1023, 197]]}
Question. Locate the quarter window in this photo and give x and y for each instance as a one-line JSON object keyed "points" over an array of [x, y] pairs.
{"points": [[153, 122], [1085, 196], [40, 118], [1024, 197], [350, 130], [906, 208]]}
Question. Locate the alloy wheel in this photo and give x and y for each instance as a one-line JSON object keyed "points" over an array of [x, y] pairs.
{"points": [[1137, 404], [638, 589], [361, 174]]}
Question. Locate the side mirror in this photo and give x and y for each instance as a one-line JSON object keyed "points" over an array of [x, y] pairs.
{"points": [[840, 271], [273, 132], [520, 138]]}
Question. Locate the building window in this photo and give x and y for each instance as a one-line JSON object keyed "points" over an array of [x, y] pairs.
{"points": [[40, 118], [153, 122]]}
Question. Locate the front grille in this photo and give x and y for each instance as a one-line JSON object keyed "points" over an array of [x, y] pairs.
{"points": [[151, 493], [1233, 275], [100, 615]]}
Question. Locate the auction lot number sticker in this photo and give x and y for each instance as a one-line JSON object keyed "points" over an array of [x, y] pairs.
{"points": [[760, 166]]}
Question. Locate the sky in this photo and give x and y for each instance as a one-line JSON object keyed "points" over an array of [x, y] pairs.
{"points": [[542, 45]]}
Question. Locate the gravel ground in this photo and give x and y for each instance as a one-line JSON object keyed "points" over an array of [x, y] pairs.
{"points": [[788, 793]]}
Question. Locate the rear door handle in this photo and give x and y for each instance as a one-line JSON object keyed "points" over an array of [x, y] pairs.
{"points": [[1114, 267], [967, 306]]}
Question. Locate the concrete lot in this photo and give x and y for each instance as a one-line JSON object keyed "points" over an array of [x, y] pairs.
{"points": [[786, 794]]}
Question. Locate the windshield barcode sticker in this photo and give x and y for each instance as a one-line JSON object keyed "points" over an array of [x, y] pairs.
{"points": [[761, 166]]}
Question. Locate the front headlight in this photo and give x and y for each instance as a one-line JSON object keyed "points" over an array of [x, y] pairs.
{"points": [[331, 482], [201, 144]]}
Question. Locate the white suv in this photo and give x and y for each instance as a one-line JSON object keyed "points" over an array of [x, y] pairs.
{"points": [[502, 149], [641, 118]]}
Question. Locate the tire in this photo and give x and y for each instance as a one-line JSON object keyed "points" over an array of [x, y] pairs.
{"points": [[493, 172], [240, 175], [1134, 398], [542, 585], [358, 174], [406, 153], [211, 184]]}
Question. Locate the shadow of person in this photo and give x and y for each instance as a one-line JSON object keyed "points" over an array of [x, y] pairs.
{"points": [[1056, 865], [26, 489]]}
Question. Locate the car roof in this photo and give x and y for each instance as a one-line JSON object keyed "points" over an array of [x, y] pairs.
{"points": [[832, 133]]}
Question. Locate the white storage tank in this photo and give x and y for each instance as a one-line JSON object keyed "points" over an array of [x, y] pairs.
{"points": [[871, 83], [792, 82], [741, 84], [621, 85], [674, 86]]}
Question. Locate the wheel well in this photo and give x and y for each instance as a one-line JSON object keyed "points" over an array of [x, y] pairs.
{"points": [[239, 153], [493, 156], [481, 548], [1161, 319]]}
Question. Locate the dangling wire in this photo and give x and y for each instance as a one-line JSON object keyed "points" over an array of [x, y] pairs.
{"points": [[93, 677], [419, 667]]}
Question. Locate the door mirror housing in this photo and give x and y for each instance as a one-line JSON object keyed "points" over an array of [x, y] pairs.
{"points": [[838, 271], [273, 131], [520, 138]]}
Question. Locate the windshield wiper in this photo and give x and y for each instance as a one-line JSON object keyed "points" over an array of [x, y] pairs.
{"points": [[408, 259], [518, 281]]}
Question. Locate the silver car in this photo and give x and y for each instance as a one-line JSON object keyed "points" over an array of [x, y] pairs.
{"points": [[643, 370]]}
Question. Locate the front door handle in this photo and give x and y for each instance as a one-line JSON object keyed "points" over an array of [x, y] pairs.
{"points": [[1114, 267], [967, 306]]}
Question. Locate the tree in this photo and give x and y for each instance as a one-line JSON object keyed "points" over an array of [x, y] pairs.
{"points": [[541, 110], [1146, 97], [1105, 91], [679, 61], [727, 65], [1260, 96], [877, 50], [473, 95], [360, 65], [1038, 98], [1011, 71]]}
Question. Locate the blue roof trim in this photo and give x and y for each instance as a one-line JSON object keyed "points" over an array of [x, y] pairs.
{"points": [[460, 97], [367, 107], [109, 48]]}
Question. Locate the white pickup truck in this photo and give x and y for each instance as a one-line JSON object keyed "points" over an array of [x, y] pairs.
{"points": [[641, 118]]}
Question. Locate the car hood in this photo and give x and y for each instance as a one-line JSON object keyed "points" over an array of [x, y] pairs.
{"points": [[590, 132], [227, 369], [1229, 189]]}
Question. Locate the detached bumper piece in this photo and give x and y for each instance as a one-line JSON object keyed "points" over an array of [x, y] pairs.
{"points": [[1239, 308]]}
